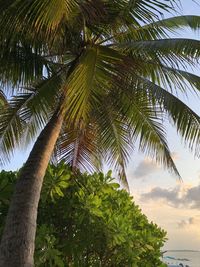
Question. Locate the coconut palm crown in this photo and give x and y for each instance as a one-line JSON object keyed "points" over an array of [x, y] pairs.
{"points": [[114, 66]]}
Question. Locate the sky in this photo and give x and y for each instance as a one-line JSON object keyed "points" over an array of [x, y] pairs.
{"points": [[173, 205]]}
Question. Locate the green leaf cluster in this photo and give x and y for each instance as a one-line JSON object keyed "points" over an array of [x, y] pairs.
{"points": [[7, 183], [87, 220]]}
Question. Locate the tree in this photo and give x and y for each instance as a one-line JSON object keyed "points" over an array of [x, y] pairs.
{"points": [[110, 77], [86, 220]]}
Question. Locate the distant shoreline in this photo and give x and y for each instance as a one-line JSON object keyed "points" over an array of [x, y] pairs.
{"points": [[181, 250]]}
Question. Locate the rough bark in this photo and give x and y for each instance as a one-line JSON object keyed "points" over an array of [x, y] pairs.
{"points": [[17, 244]]}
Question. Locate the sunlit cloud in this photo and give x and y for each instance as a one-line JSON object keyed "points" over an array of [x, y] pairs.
{"points": [[179, 196], [185, 223], [146, 167]]}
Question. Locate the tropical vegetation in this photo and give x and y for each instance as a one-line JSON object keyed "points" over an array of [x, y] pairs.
{"points": [[86, 220], [92, 77]]}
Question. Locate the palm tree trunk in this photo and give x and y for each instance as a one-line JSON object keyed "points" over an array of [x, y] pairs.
{"points": [[17, 244]]}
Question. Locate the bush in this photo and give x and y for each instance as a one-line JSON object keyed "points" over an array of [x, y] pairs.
{"points": [[87, 220]]}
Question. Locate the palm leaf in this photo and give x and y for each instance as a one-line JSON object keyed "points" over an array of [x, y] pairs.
{"points": [[146, 121], [97, 66], [20, 66], [158, 29], [114, 138], [39, 15], [161, 28], [3, 100], [176, 80], [11, 127], [78, 147], [187, 122], [26, 113], [141, 10], [174, 23], [168, 51]]}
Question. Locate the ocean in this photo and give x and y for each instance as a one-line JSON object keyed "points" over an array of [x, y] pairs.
{"points": [[193, 257]]}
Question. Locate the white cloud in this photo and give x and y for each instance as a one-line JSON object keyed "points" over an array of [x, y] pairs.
{"points": [[185, 223], [145, 167], [179, 196]]}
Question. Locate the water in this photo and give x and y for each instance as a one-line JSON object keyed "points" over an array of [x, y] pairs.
{"points": [[192, 256]]}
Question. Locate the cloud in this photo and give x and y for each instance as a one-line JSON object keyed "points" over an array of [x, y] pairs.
{"points": [[170, 196], [193, 197], [145, 167], [188, 222], [177, 197], [148, 166], [184, 223], [191, 220]]}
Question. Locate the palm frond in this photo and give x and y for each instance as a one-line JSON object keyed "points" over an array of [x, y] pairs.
{"points": [[144, 119], [11, 127], [20, 66], [40, 16], [121, 15], [191, 79], [178, 22], [147, 124], [142, 10], [3, 100], [175, 52], [114, 138], [97, 66], [187, 122], [175, 79], [78, 147], [157, 30], [162, 28], [26, 113]]}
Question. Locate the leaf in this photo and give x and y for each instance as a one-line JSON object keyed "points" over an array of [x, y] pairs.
{"points": [[38, 15], [173, 51], [3, 100]]}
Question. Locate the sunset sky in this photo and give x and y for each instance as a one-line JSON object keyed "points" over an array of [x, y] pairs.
{"points": [[173, 205]]}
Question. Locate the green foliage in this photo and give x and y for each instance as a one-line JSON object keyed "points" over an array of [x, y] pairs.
{"points": [[87, 220], [7, 182], [46, 252], [2, 99], [57, 179]]}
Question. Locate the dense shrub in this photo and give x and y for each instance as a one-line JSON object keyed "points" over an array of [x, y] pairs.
{"points": [[87, 220]]}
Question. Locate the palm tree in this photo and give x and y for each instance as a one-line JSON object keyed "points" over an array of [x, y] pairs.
{"points": [[94, 77]]}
